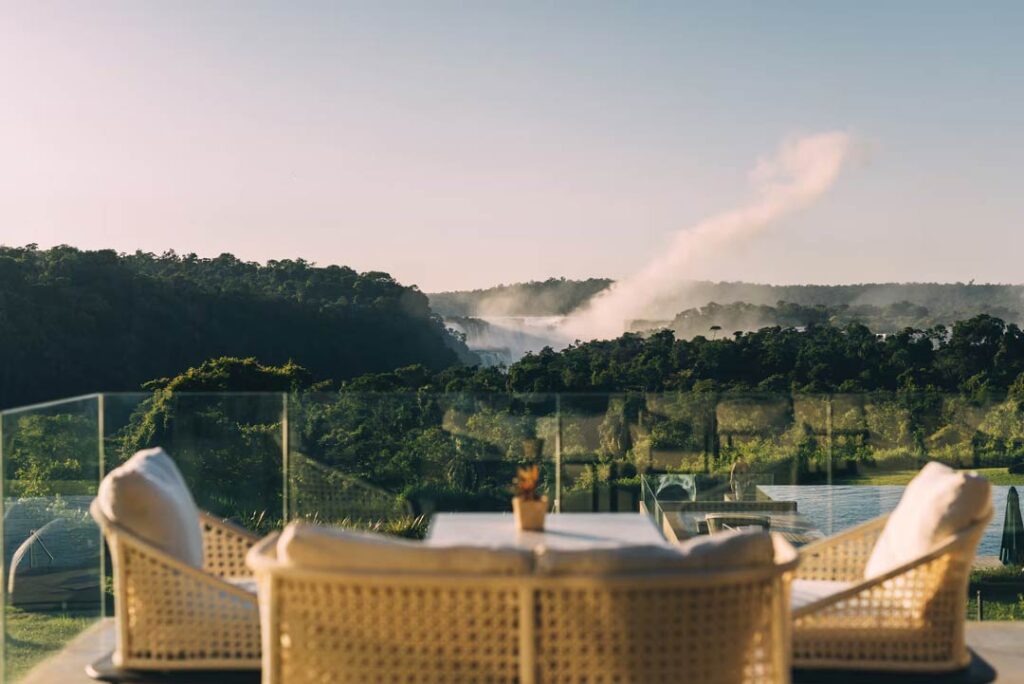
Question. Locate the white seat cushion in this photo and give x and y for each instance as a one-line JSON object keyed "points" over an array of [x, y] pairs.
{"points": [[729, 550], [148, 497], [805, 592], [329, 548], [938, 503]]}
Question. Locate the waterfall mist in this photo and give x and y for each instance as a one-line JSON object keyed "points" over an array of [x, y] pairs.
{"points": [[800, 172]]}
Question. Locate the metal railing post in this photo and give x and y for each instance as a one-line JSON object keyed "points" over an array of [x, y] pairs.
{"points": [[285, 452], [828, 457], [558, 453], [101, 454], [828, 438], [3, 562]]}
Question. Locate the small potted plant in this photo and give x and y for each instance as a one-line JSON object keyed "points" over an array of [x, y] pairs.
{"points": [[528, 505]]}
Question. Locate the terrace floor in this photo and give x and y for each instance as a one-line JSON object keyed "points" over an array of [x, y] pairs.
{"points": [[1001, 644]]}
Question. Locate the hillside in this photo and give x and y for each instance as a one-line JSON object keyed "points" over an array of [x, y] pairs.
{"points": [[551, 297], [981, 357], [741, 316], [883, 307], [74, 321]]}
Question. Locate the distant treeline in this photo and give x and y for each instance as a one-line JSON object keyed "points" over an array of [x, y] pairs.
{"points": [[74, 321], [885, 307], [979, 357], [726, 319], [956, 299], [551, 297]]}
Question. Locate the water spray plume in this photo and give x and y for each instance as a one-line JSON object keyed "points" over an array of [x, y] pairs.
{"points": [[801, 171]]}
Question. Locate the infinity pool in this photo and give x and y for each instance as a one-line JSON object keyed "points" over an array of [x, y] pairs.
{"points": [[836, 507]]}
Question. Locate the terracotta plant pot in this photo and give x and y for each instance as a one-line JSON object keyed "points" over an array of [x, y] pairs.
{"points": [[529, 513]]}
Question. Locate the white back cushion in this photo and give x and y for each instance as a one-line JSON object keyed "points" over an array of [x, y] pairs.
{"points": [[725, 551], [938, 502], [148, 497], [330, 548]]}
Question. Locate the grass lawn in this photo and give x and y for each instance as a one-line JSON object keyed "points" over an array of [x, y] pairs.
{"points": [[31, 637], [997, 476], [996, 609]]}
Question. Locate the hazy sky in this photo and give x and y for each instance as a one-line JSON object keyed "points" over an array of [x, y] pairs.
{"points": [[466, 144]]}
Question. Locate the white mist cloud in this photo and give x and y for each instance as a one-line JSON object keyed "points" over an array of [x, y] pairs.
{"points": [[801, 171]]}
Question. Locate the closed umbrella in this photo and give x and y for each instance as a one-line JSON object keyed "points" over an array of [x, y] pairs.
{"points": [[1011, 550]]}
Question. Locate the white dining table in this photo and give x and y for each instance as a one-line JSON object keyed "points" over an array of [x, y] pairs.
{"points": [[567, 531]]}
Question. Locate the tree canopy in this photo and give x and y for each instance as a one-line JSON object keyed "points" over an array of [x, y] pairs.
{"points": [[884, 307], [75, 321], [976, 356]]}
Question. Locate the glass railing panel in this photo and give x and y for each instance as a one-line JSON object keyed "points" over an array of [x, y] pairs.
{"points": [[758, 438], [361, 459], [603, 451], [366, 458], [228, 446], [837, 460], [677, 432], [390, 460], [53, 558]]}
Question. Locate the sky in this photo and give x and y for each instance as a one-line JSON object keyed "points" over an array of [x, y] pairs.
{"points": [[461, 145]]}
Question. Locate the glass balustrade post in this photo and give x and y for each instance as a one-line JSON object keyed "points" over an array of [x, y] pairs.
{"points": [[828, 438], [558, 453], [101, 463], [3, 560], [285, 451]]}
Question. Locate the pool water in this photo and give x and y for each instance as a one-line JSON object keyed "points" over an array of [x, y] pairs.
{"points": [[833, 508]]}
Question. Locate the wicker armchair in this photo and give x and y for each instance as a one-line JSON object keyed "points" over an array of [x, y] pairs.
{"points": [[173, 616], [346, 626], [910, 618]]}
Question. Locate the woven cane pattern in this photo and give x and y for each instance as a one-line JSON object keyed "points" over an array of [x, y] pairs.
{"points": [[655, 632], [841, 558], [321, 626], [224, 548], [171, 616], [913, 621], [373, 629], [175, 619]]}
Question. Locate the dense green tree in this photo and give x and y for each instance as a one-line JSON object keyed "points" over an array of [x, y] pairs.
{"points": [[222, 421], [980, 354], [48, 454], [74, 322]]}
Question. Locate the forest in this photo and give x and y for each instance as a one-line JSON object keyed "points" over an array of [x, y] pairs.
{"points": [[264, 441], [551, 297], [75, 321], [718, 319], [792, 404], [883, 307], [267, 379], [979, 357]]}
